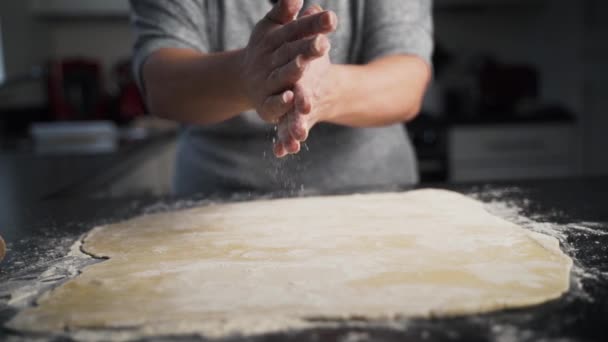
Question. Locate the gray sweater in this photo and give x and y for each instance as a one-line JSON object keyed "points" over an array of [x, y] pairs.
{"points": [[236, 155]]}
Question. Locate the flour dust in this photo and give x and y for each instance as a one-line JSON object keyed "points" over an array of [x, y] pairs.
{"points": [[514, 211], [19, 292]]}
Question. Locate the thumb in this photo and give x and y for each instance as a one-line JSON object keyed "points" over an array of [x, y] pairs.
{"points": [[285, 11]]}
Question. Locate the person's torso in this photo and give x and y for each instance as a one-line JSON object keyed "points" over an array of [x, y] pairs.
{"points": [[236, 155]]}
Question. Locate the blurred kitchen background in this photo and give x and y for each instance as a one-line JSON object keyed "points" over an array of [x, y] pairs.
{"points": [[519, 94]]}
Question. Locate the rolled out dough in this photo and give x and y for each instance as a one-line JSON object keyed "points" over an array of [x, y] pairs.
{"points": [[265, 265]]}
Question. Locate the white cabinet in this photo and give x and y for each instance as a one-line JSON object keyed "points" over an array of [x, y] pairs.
{"points": [[80, 7], [516, 151]]}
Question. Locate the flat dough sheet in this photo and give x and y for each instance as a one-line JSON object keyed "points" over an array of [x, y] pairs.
{"points": [[267, 265]]}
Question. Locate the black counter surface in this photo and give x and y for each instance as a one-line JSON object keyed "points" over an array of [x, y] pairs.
{"points": [[42, 232], [26, 176]]}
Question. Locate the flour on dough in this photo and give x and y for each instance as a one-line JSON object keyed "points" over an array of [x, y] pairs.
{"points": [[268, 265]]}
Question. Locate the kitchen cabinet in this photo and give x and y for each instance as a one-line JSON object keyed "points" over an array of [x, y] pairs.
{"points": [[513, 151], [80, 7], [24, 45]]}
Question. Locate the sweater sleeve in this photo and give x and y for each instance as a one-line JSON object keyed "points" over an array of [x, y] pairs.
{"points": [[162, 24], [397, 27]]}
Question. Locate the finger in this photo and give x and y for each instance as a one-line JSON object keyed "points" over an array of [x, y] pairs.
{"points": [[292, 146], [309, 48], [320, 23], [302, 99], [284, 139], [283, 134], [287, 75], [296, 124], [284, 11], [277, 106], [279, 150], [314, 9]]}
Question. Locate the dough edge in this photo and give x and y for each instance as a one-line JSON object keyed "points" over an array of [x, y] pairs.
{"points": [[248, 325]]}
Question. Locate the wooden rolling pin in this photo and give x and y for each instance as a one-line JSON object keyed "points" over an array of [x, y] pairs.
{"points": [[2, 249]]}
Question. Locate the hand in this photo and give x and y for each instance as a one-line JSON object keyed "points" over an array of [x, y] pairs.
{"points": [[309, 92], [278, 54]]}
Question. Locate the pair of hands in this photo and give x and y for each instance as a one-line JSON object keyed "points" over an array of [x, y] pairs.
{"points": [[285, 67]]}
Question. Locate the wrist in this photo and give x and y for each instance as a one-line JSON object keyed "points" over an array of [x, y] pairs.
{"points": [[242, 79], [330, 97]]}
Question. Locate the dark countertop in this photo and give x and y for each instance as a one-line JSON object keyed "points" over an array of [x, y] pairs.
{"points": [[27, 177], [42, 232]]}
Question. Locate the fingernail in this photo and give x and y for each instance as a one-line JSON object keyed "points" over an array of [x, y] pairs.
{"points": [[300, 62], [287, 97], [316, 44]]}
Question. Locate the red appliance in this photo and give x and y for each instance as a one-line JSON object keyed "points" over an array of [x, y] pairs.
{"points": [[129, 102], [76, 90]]}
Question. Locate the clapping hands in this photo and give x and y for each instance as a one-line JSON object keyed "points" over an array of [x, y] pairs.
{"points": [[286, 63]]}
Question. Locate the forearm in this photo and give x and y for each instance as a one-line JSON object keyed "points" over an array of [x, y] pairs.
{"points": [[384, 92], [191, 87]]}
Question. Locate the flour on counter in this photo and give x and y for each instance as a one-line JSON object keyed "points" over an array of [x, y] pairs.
{"points": [[69, 266]]}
